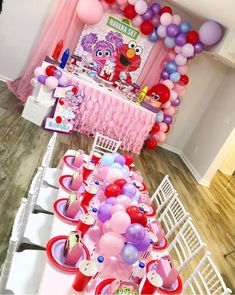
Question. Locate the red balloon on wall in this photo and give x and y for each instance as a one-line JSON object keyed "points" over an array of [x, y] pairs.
{"points": [[137, 216], [50, 70], [151, 143], [146, 27], [129, 12], [120, 182], [112, 190], [110, 1], [166, 9], [129, 159], [192, 37], [184, 79], [155, 128]]}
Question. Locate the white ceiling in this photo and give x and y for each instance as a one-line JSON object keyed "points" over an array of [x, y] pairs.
{"points": [[222, 11]]}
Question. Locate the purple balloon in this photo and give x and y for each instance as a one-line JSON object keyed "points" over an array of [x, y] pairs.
{"points": [[120, 160], [144, 245], [175, 102], [167, 119], [172, 30], [104, 212], [180, 40], [135, 233], [165, 75], [129, 254], [192, 56], [210, 33], [58, 74], [198, 47], [111, 201], [148, 15], [42, 79], [156, 8], [129, 190]]}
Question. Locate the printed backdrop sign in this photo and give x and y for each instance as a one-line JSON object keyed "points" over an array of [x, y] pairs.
{"points": [[114, 39]]}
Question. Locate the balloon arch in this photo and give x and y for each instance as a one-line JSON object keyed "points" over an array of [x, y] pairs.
{"points": [[157, 23]]}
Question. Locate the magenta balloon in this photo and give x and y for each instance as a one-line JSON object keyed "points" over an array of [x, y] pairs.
{"points": [[167, 119], [180, 40], [198, 47], [172, 30], [165, 75], [175, 102], [148, 15], [210, 33], [42, 79], [135, 233], [58, 74], [156, 8]]}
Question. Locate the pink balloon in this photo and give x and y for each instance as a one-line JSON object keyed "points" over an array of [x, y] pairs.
{"points": [[176, 19], [51, 83], [161, 136], [106, 227], [86, 14], [137, 21], [105, 5], [122, 2], [170, 111], [117, 208], [114, 174], [171, 55], [166, 19], [179, 88], [119, 222], [111, 244], [168, 83], [180, 60], [182, 70], [163, 126], [123, 200], [187, 50], [173, 95], [177, 49], [39, 71], [166, 105], [103, 171], [161, 31]]}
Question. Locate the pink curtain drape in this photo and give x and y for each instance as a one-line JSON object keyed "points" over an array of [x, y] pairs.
{"points": [[151, 72], [62, 23]]}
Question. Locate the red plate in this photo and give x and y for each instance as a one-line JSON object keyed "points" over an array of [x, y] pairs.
{"points": [[59, 206], [102, 285], [65, 181], [162, 246], [151, 212], [54, 250], [178, 284], [68, 160]]}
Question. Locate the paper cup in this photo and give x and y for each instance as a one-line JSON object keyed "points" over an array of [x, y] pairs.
{"points": [[76, 182], [87, 170], [152, 283], [86, 271], [90, 192], [78, 159], [96, 157], [86, 221]]}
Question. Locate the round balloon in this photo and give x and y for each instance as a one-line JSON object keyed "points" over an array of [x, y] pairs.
{"points": [[144, 245], [112, 190], [210, 33], [104, 212], [124, 200], [114, 174], [129, 190], [90, 16], [171, 67], [129, 254], [119, 222], [135, 233], [129, 11], [146, 27], [129, 159], [108, 239]]}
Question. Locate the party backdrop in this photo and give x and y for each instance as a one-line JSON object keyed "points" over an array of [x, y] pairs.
{"points": [[112, 36]]}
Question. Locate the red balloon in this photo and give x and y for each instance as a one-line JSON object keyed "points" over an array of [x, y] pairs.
{"points": [[192, 37], [50, 70], [151, 143], [136, 215], [155, 129], [129, 12], [110, 1], [160, 92], [112, 190], [129, 159], [146, 27], [120, 182], [184, 79], [166, 9], [132, 209], [168, 128]]}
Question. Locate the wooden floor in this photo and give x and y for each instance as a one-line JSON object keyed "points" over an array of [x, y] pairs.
{"points": [[22, 145]]}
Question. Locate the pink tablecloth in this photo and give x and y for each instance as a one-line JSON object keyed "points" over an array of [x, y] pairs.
{"points": [[110, 114]]}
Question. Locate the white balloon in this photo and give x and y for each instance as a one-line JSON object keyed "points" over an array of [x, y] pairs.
{"points": [[141, 6], [137, 21]]}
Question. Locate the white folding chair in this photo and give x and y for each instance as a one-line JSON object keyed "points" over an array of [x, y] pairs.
{"points": [[21, 271], [52, 141], [41, 197], [206, 279], [173, 216], [103, 144], [186, 244], [163, 193]]}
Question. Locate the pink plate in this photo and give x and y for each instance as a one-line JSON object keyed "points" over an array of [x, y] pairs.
{"points": [[65, 181], [103, 287], [177, 286], [68, 160], [59, 207], [54, 250]]}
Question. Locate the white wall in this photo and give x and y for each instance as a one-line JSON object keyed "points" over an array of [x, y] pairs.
{"points": [[205, 77], [211, 133], [20, 23]]}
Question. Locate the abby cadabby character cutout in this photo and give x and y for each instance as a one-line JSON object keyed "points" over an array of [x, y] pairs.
{"points": [[66, 111], [102, 50]]}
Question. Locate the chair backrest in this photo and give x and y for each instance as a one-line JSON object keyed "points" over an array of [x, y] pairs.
{"points": [[173, 216], [51, 143], [103, 144], [35, 189], [186, 244], [206, 279], [46, 160], [163, 193], [14, 242]]}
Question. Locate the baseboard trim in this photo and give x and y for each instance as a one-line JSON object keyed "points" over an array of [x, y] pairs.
{"points": [[196, 175], [226, 172], [4, 78], [170, 148]]}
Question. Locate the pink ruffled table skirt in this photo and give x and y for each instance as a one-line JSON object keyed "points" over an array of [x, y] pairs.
{"points": [[114, 117]]}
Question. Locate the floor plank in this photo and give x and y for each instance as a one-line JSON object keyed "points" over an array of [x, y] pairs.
{"points": [[23, 144]]}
